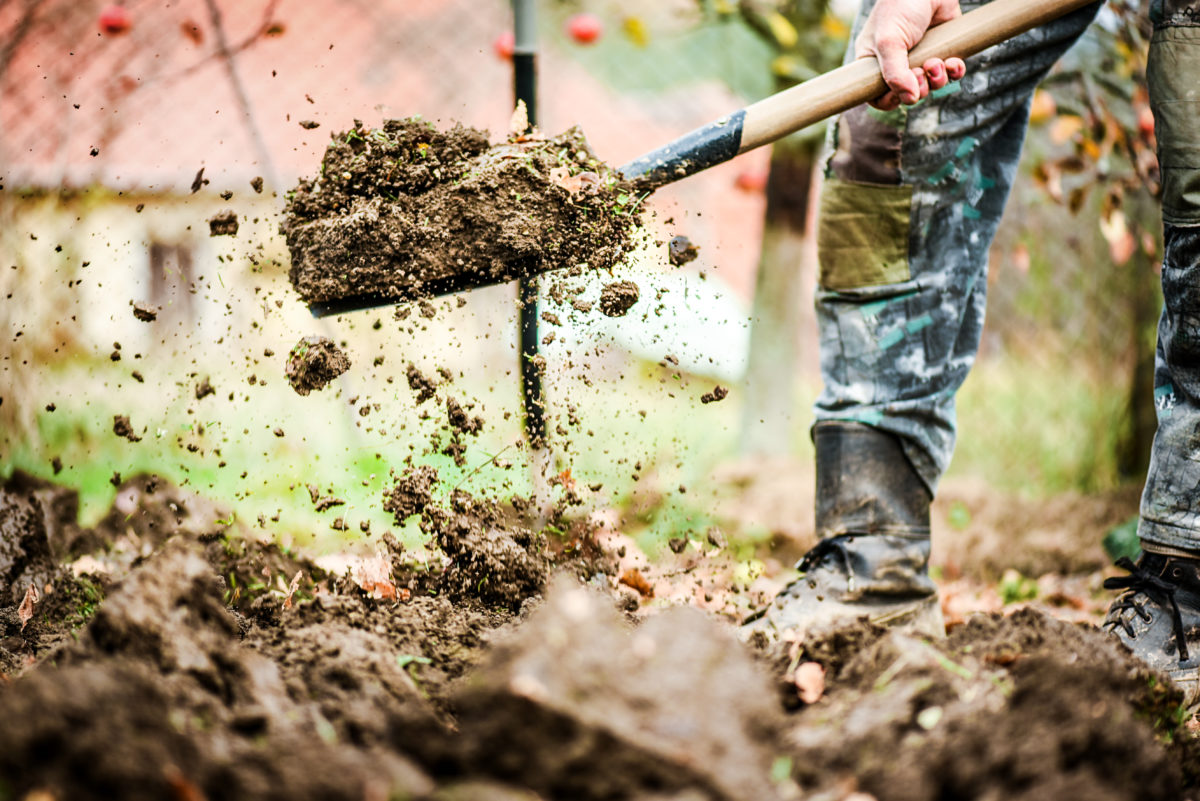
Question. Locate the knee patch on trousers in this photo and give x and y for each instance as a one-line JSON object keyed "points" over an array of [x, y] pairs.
{"points": [[862, 234], [1175, 98]]}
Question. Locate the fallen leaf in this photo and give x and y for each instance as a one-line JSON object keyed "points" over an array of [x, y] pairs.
{"points": [[809, 679], [634, 578], [519, 123], [25, 610], [287, 602]]}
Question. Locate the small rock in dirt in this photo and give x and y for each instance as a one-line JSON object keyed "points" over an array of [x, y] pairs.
{"points": [[718, 394], [618, 297], [677, 544], [680, 251], [123, 428], [144, 312], [419, 383], [313, 363], [411, 493], [223, 223]]}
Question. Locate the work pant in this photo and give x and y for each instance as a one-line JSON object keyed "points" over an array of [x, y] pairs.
{"points": [[909, 208]]}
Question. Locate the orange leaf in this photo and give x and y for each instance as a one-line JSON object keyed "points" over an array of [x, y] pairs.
{"points": [[634, 578]]}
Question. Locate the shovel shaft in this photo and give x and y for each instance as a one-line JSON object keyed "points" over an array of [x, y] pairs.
{"points": [[836, 91]]}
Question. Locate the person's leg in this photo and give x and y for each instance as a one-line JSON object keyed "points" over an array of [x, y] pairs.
{"points": [[908, 210], [1159, 615]]}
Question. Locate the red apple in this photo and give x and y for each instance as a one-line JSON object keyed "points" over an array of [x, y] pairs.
{"points": [[751, 180], [503, 45], [585, 28], [114, 19], [1145, 121]]}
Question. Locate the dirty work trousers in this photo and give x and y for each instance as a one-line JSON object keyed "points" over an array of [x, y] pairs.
{"points": [[908, 210]]}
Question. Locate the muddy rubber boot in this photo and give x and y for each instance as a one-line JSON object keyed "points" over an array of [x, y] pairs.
{"points": [[872, 560], [1158, 616]]}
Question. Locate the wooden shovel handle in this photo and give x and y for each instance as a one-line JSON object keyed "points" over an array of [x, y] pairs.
{"points": [[836, 91]]}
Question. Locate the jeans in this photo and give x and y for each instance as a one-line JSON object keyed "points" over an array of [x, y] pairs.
{"points": [[909, 207]]}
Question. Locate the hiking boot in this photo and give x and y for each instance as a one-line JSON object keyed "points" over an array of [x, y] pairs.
{"points": [[873, 556], [1158, 616]]}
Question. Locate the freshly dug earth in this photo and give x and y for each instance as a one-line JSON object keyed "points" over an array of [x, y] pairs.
{"points": [[171, 658], [313, 362], [407, 210]]}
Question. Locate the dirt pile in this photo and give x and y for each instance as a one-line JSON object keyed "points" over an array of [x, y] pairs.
{"points": [[406, 210], [1018, 707], [173, 660], [608, 711]]}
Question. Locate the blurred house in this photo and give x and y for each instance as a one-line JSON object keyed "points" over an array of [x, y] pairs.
{"points": [[118, 146]]}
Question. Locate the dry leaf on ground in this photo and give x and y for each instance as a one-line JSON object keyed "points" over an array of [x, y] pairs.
{"points": [[25, 610]]}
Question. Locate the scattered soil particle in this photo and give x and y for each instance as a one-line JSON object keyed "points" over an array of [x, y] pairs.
{"points": [[680, 251], [328, 502], [256, 183], [313, 362], [223, 223], [411, 493], [123, 428], [460, 420], [144, 312], [618, 297], [204, 388], [425, 387], [309, 125], [405, 209], [718, 393]]}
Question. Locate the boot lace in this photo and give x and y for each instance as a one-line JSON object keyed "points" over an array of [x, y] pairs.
{"points": [[1144, 585]]}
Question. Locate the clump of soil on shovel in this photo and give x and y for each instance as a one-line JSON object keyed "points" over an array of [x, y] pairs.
{"points": [[399, 211]]}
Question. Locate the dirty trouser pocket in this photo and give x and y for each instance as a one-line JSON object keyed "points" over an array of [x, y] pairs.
{"points": [[863, 234], [1173, 75]]}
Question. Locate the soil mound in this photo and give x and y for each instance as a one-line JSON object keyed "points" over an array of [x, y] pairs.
{"points": [[1018, 707], [190, 663], [406, 210], [608, 712]]}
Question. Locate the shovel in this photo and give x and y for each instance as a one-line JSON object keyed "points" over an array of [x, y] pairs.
{"points": [[783, 113]]}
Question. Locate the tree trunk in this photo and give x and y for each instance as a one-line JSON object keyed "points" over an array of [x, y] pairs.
{"points": [[785, 268], [1133, 446]]}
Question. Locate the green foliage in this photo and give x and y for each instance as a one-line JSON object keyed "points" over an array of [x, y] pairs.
{"points": [[1015, 588]]}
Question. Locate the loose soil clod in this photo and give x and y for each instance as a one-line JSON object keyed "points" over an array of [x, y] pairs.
{"points": [[313, 362], [681, 250], [223, 223], [123, 428], [145, 312], [618, 298], [401, 208]]}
